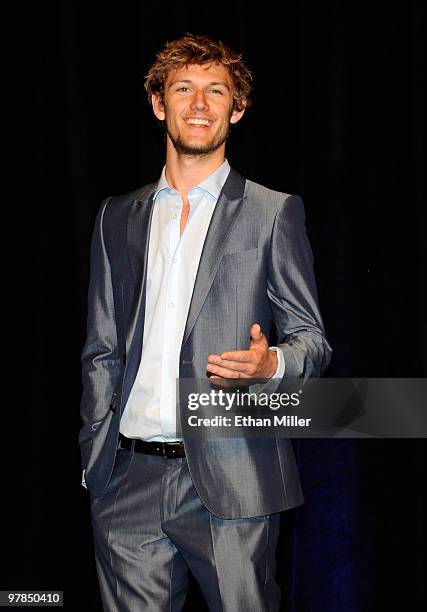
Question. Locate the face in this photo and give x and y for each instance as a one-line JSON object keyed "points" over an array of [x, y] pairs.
{"points": [[197, 108]]}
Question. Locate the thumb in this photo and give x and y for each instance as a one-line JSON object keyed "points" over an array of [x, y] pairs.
{"points": [[257, 336]]}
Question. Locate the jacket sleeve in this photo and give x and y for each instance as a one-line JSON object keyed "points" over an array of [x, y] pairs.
{"points": [[292, 292], [100, 355]]}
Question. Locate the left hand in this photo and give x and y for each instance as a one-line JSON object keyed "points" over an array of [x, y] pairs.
{"points": [[256, 362]]}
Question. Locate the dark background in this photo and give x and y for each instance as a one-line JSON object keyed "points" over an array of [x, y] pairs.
{"points": [[338, 118]]}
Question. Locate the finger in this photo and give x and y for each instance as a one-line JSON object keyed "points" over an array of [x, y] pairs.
{"points": [[244, 366], [239, 366], [228, 366], [257, 335], [214, 358], [228, 383], [256, 331], [225, 372], [244, 356]]}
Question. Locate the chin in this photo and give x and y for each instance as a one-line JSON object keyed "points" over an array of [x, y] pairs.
{"points": [[195, 148]]}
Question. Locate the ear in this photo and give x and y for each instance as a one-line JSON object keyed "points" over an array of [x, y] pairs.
{"points": [[237, 115], [158, 106]]}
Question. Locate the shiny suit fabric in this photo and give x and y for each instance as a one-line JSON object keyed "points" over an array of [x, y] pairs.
{"points": [[256, 266]]}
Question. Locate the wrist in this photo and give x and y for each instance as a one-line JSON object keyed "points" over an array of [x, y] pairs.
{"points": [[274, 363]]}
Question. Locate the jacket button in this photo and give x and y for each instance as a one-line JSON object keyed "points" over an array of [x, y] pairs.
{"points": [[113, 404]]}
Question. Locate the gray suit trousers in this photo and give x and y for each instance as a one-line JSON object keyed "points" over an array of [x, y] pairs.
{"points": [[150, 527]]}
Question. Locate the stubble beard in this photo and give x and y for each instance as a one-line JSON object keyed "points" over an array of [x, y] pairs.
{"points": [[187, 148]]}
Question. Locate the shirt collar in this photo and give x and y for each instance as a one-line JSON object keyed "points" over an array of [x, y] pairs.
{"points": [[213, 184]]}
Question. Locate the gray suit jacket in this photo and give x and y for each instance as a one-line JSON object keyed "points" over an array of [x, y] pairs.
{"points": [[256, 266]]}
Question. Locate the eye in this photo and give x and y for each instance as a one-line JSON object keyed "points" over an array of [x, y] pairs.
{"points": [[216, 91], [183, 88]]}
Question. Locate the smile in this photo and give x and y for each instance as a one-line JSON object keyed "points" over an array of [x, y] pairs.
{"points": [[198, 122]]}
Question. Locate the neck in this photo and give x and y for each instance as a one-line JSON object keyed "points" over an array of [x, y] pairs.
{"points": [[185, 171]]}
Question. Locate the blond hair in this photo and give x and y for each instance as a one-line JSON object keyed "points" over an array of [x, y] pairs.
{"points": [[199, 49]]}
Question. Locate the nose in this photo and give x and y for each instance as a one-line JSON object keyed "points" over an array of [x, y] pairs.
{"points": [[199, 101]]}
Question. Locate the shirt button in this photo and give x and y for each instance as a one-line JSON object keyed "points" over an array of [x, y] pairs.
{"points": [[175, 216], [171, 304], [174, 260]]}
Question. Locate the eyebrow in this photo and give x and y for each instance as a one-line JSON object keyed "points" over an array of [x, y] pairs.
{"points": [[207, 85]]}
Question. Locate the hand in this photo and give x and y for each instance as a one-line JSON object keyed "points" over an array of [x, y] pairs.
{"points": [[257, 362]]}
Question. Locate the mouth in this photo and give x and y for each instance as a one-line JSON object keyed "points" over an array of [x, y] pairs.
{"points": [[198, 123]]}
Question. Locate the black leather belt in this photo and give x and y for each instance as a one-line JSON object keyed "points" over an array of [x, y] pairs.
{"points": [[168, 450]]}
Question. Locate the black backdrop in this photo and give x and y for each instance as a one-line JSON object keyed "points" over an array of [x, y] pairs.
{"points": [[337, 118]]}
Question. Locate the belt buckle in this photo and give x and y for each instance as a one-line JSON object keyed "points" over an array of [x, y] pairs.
{"points": [[164, 450], [171, 446]]}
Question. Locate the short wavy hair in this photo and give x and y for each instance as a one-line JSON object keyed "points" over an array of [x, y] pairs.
{"points": [[200, 49]]}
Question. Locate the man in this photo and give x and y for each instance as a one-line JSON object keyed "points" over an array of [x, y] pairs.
{"points": [[183, 273]]}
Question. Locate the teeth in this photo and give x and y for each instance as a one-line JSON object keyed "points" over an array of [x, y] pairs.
{"points": [[198, 121]]}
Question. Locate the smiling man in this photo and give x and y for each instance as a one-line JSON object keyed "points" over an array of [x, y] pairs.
{"points": [[198, 108], [188, 276]]}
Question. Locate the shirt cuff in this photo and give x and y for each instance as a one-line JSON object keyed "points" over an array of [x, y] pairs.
{"points": [[280, 372], [83, 479], [272, 383]]}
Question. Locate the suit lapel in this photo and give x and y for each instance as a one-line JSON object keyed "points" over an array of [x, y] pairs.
{"points": [[227, 210], [138, 234]]}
